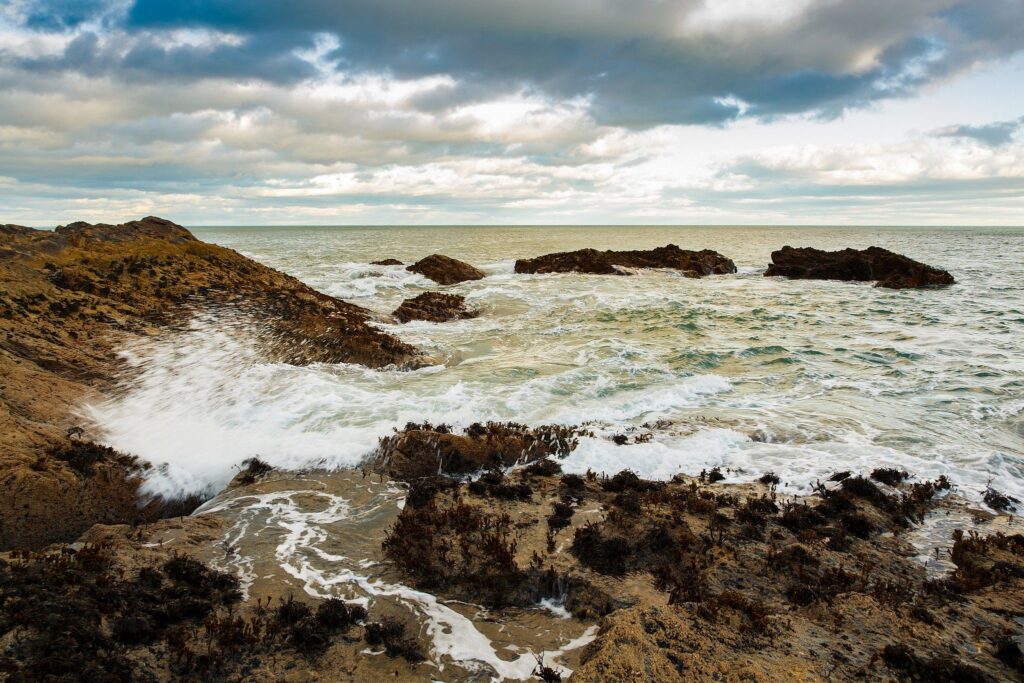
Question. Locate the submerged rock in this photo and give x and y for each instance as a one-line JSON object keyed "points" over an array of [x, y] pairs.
{"points": [[434, 307], [445, 270], [690, 263], [889, 269], [387, 262]]}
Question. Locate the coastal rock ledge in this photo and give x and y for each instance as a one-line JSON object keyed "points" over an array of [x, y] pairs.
{"points": [[891, 270], [592, 261], [435, 307], [71, 298]]}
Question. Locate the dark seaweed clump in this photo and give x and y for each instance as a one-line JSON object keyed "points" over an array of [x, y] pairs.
{"points": [[391, 634], [999, 501], [544, 468], [83, 456], [495, 485], [460, 548], [889, 475], [252, 469], [942, 669], [77, 615]]}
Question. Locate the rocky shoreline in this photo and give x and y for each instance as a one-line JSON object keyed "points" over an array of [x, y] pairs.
{"points": [[70, 298], [687, 580]]}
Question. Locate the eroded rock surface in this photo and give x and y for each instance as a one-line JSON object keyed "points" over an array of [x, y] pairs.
{"points": [[133, 605], [887, 268], [693, 580], [445, 270], [435, 307], [70, 298], [426, 450], [690, 263]]}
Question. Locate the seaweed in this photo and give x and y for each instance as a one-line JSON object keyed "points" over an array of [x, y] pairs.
{"points": [[83, 456], [561, 515], [941, 669], [890, 476], [998, 501], [391, 634], [495, 485], [715, 475], [573, 482], [252, 469], [544, 468]]}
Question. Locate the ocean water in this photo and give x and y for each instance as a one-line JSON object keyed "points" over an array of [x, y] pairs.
{"points": [[747, 373]]}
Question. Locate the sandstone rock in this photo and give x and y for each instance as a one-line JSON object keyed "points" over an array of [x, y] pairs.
{"points": [[69, 298], [445, 270], [889, 269], [690, 263], [434, 307]]}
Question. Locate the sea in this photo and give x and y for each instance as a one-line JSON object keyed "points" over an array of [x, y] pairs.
{"points": [[743, 372], [746, 373]]}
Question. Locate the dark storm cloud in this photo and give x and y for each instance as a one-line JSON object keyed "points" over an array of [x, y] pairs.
{"points": [[641, 63], [639, 67]]}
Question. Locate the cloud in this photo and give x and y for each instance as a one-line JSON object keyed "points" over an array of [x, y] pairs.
{"points": [[451, 110], [639, 63], [993, 134]]}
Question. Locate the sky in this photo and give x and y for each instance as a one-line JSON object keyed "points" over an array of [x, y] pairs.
{"points": [[371, 112]]}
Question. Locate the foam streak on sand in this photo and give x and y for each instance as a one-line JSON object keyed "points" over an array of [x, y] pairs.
{"points": [[301, 524]]}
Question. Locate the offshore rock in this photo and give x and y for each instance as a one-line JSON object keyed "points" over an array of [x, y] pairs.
{"points": [[889, 269], [445, 270], [690, 263], [434, 307], [387, 262]]}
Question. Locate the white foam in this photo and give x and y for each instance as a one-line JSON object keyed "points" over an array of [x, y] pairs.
{"points": [[202, 402], [453, 636], [659, 459], [929, 381]]}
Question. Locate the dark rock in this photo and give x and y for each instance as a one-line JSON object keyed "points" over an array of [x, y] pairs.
{"points": [[435, 307], [445, 270], [386, 262], [690, 263], [889, 269], [425, 451]]}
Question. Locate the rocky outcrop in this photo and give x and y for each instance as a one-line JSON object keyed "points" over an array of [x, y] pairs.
{"points": [[386, 262], [689, 263], [71, 297], [445, 270], [425, 450], [435, 307], [887, 268], [696, 581]]}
